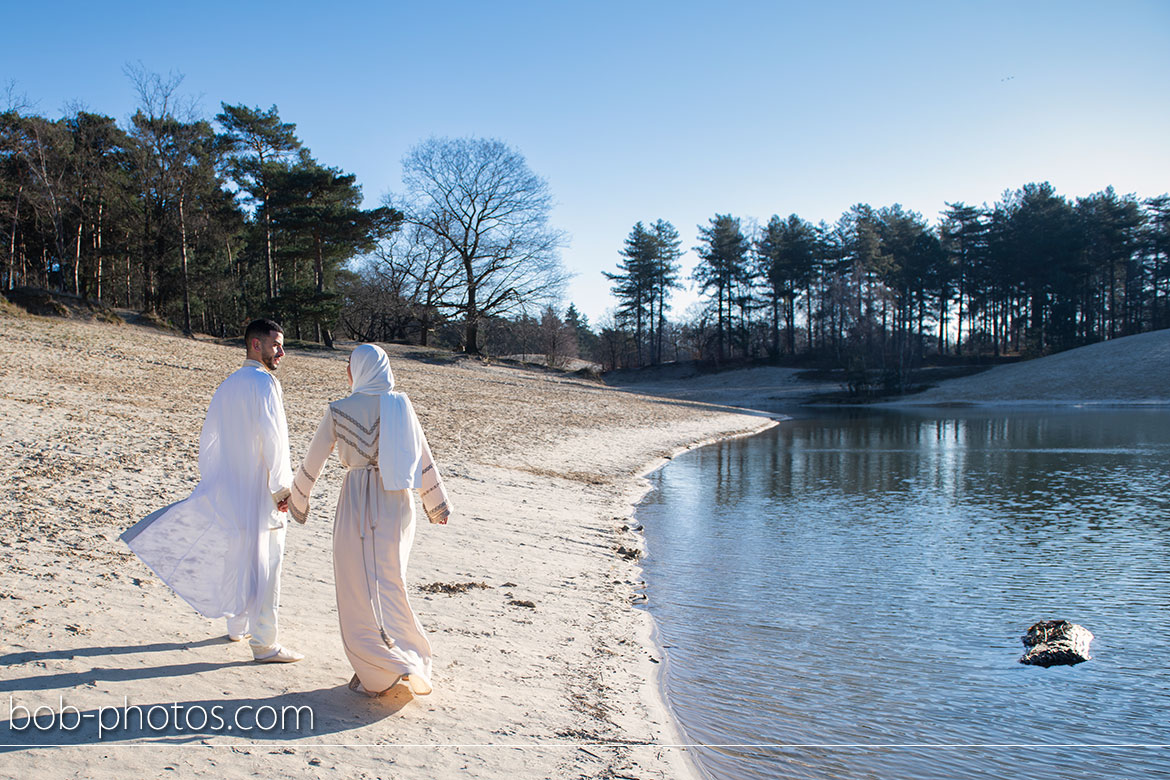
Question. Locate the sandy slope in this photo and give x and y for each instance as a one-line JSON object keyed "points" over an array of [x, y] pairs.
{"points": [[1134, 369], [100, 425], [1130, 370]]}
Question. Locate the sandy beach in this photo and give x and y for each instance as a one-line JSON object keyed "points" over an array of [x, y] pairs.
{"points": [[543, 665]]}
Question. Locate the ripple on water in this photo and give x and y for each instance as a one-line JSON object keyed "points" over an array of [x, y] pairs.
{"points": [[854, 589]]}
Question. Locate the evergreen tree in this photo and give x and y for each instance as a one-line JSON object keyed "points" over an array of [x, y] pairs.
{"points": [[964, 239], [664, 278], [785, 253], [1037, 239], [1156, 249], [317, 211], [633, 283], [587, 341], [722, 269], [1111, 226], [259, 146]]}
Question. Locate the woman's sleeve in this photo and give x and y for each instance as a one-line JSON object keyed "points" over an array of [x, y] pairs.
{"points": [[431, 490], [310, 468]]}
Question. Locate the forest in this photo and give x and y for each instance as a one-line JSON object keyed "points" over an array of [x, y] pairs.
{"points": [[205, 222], [882, 290]]}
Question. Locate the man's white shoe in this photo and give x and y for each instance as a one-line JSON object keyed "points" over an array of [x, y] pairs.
{"points": [[280, 655], [238, 637]]}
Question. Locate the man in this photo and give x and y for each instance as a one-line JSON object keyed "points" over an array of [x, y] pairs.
{"points": [[221, 549]]}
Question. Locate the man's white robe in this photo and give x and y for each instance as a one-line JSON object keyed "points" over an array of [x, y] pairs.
{"points": [[212, 548]]}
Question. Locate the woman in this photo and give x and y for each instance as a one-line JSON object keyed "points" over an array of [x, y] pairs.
{"points": [[385, 453]]}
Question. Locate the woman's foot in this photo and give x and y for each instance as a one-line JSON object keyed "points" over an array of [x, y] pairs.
{"points": [[418, 686]]}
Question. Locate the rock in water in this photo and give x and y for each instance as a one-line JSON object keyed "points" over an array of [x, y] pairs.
{"points": [[1054, 642]]}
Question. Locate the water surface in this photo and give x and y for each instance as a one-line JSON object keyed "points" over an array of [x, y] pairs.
{"points": [[857, 585]]}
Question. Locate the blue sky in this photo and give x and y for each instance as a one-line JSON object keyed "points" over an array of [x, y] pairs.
{"points": [[674, 110]]}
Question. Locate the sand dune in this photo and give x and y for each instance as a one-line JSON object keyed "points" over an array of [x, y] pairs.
{"points": [[1130, 370]]}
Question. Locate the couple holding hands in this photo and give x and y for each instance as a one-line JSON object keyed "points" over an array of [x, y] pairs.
{"points": [[221, 549]]}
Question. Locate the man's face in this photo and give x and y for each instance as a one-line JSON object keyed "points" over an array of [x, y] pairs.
{"points": [[271, 349]]}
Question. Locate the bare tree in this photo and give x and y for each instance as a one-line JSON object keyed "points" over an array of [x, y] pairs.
{"points": [[489, 212], [176, 147]]}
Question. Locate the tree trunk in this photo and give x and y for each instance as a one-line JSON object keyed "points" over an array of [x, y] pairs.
{"points": [[1112, 300], [719, 324], [323, 333], [471, 337], [661, 319], [776, 325], [471, 331], [12, 239], [792, 325], [147, 264], [97, 239], [128, 294], [77, 259], [183, 262], [270, 267]]}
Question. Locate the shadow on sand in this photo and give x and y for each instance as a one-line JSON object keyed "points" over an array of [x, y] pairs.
{"points": [[39, 713]]}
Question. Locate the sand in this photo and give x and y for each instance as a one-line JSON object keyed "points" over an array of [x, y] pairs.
{"points": [[100, 426], [1134, 370], [1129, 371]]}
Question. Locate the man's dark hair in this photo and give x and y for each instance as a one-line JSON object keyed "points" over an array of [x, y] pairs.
{"points": [[260, 329]]}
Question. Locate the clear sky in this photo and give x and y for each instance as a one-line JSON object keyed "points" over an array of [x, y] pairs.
{"points": [[646, 110]]}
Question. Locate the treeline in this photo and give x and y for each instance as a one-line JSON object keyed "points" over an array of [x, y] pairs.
{"points": [[882, 289], [200, 222], [208, 223]]}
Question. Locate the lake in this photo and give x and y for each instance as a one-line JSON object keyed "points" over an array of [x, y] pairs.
{"points": [[844, 596]]}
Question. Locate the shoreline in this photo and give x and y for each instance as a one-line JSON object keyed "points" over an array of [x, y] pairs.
{"points": [[543, 668], [1029, 404], [545, 664], [640, 488]]}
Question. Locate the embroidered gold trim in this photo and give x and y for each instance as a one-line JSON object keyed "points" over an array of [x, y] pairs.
{"points": [[358, 447], [440, 511], [343, 426], [340, 428], [364, 429]]}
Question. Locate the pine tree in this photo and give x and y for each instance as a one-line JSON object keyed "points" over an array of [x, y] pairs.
{"points": [[258, 145], [785, 253], [722, 268], [633, 283]]}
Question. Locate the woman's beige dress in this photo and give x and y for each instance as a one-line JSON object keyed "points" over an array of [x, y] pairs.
{"points": [[372, 533]]}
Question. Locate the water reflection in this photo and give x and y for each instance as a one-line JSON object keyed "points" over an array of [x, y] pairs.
{"points": [[864, 580]]}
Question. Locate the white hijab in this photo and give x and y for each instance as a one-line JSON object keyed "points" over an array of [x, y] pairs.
{"points": [[401, 441]]}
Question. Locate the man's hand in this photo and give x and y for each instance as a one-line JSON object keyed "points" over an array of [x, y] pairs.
{"points": [[282, 506]]}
